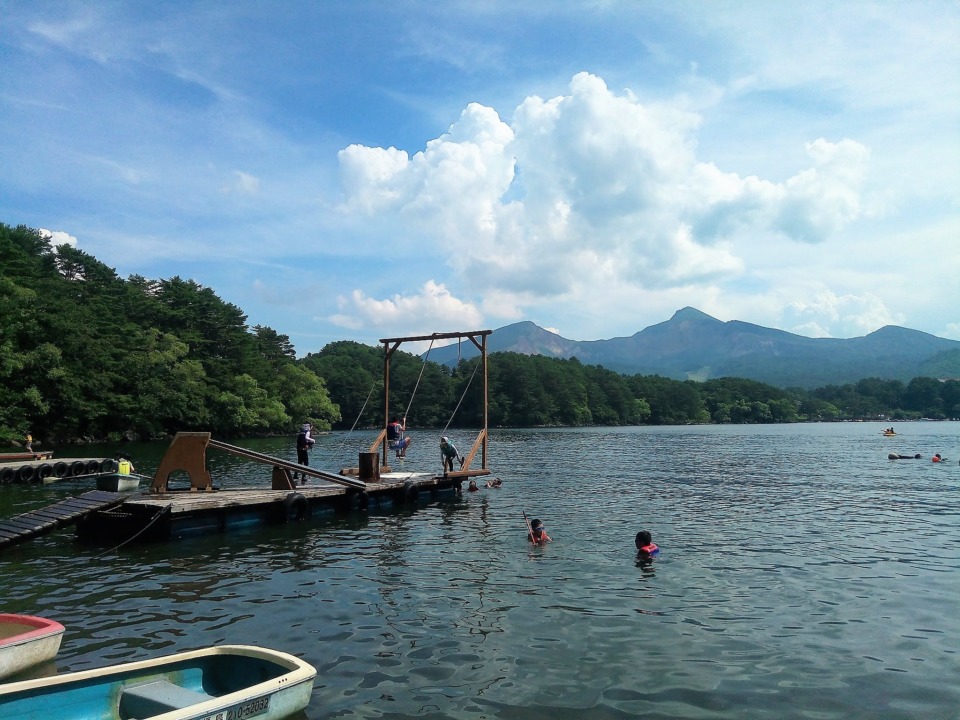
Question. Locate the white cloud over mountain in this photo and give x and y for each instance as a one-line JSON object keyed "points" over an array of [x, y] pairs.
{"points": [[592, 189]]}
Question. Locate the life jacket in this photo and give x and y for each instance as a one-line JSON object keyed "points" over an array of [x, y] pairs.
{"points": [[650, 549], [302, 440], [537, 539], [123, 467]]}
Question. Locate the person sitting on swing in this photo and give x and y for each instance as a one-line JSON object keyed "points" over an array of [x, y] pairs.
{"points": [[449, 452], [396, 440]]}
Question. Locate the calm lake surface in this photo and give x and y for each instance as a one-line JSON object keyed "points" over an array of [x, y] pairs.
{"points": [[802, 574]]}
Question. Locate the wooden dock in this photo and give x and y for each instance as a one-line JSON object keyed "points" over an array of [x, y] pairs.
{"points": [[183, 513], [170, 510], [38, 522]]}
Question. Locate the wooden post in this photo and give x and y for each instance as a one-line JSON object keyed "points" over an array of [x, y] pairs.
{"points": [[369, 466]]}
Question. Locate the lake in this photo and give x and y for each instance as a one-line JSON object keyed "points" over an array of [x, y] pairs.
{"points": [[802, 574]]}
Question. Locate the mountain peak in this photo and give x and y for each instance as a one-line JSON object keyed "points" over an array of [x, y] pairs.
{"points": [[692, 345], [688, 313]]}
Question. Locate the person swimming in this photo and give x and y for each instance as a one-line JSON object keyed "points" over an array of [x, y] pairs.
{"points": [[645, 544], [537, 535]]}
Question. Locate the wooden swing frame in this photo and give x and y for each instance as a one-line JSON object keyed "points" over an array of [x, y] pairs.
{"points": [[390, 346]]}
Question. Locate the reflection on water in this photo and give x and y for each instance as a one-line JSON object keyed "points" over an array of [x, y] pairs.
{"points": [[801, 574]]}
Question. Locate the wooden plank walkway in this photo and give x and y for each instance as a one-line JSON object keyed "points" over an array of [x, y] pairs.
{"points": [[182, 502], [38, 522]]}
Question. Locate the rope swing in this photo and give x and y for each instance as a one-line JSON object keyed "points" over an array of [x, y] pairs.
{"points": [[359, 415], [454, 413], [419, 377]]}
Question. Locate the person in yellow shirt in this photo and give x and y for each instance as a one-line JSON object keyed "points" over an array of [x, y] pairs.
{"points": [[124, 466]]}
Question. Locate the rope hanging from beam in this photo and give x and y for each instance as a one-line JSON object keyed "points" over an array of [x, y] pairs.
{"points": [[419, 377], [454, 413]]}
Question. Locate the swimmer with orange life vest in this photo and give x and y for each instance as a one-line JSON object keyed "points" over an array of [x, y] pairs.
{"points": [[645, 545]]}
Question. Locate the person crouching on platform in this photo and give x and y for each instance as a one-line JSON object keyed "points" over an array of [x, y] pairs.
{"points": [[448, 452]]}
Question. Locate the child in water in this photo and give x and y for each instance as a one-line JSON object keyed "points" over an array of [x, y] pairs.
{"points": [[537, 535], [645, 544]]}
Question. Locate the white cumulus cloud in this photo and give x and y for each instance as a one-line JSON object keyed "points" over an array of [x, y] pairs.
{"points": [[56, 238], [593, 188], [423, 313]]}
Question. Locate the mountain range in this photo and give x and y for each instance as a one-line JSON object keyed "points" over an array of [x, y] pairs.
{"points": [[692, 345]]}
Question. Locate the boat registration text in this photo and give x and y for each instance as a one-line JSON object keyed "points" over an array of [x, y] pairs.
{"points": [[242, 712]]}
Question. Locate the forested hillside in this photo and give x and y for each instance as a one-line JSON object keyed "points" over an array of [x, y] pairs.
{"points": [[532, 390], [85, 354]]}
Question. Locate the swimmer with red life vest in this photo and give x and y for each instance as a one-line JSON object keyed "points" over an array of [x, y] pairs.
{"points": [[645, 545], [535, 532]]}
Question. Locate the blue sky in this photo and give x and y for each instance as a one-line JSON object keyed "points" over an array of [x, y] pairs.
{"points": [[358, 170]]}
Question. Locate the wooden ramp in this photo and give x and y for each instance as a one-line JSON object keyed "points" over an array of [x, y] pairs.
{"points": [[66, 512]]}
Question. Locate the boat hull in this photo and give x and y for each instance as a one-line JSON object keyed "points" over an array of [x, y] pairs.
{"points": [[26, 641], [235, 681], [115, 482]]}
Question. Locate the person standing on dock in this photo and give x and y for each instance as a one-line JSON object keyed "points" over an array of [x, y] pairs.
{"points": [[28, 442], [396, 440], [304, 443], [449, 452]]}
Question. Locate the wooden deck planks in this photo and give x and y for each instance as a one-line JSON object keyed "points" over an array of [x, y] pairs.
{"points": [[184, 502], [37, 522]]}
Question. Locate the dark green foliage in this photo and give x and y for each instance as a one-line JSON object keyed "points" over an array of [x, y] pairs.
{"points": [[533, 390], [86, 354]]}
